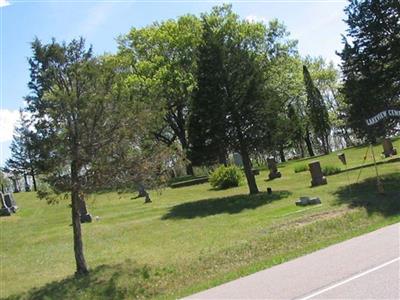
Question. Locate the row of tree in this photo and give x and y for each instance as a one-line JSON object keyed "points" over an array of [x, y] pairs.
{"points": [[193, 90]]}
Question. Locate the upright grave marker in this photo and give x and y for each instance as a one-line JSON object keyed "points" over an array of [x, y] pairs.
{"points": [[273, 170], [317, 177]]}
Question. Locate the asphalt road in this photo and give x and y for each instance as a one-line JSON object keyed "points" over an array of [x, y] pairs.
{"points": [[365, 267]]}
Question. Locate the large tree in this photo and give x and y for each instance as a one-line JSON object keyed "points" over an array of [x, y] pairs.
{"points": [[237, 87], [371, 64], [85, 125], [163, 58]]}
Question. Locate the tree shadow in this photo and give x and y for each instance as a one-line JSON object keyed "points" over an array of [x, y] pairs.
{"points": [[121, 281], [365, 194], [231, 205]]}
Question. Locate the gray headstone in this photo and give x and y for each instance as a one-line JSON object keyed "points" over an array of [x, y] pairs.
{"points": [[237, 159], [388, 149], [10, 202], [4, 209], [273, 169], [317, 178]]}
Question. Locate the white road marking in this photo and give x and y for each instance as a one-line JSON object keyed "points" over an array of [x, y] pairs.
{"points": [[350, 279]]}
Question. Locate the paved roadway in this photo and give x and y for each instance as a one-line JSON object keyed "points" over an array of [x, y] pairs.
{"points": [[365, 267]]}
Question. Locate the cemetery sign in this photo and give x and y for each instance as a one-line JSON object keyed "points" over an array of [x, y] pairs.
{"points": [[383, 115]]}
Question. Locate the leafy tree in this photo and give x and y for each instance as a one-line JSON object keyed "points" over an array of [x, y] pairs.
{"points": [[371, 64], [163, 57], [83, 117], [241, 51], [318, 112], [23, 155]]}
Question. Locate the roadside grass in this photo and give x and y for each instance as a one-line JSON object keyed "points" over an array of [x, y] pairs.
{"points": [[189, 238]]}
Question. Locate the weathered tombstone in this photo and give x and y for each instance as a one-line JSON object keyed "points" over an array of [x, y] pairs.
{"points": [[388, 149], [10, 202], [237, 159], [317, 176], [4, 209], [273, 170], [303, 201]]}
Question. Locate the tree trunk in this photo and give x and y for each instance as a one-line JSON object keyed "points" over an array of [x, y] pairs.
{"points": [[34, 181], [282, 154], [222, 157], [301, 149], [251, 181], [307, 139], [189, 169], [27, 188], [81, 267]]}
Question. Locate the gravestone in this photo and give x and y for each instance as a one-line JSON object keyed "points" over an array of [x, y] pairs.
{"points": [[10, 202], [303, 201], [237, 159], [4, 209], [388, 149], [316, 174], [273, 170]]}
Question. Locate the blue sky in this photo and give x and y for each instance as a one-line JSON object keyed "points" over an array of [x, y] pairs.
{"points": [[317, 25]]}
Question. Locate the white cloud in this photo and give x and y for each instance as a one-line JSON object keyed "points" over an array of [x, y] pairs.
{"points": [[4, 3], [96, 17], [8, 120], [256, 19]]}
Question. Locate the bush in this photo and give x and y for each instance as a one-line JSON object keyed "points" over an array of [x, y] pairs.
{"points": [[330, 170], [300, 168], [226, 177]]}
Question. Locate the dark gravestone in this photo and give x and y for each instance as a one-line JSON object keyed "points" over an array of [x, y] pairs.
{"points": [[10, 202], [273, 170], [255, 172], [388, 149], [4, 209], [317, 178]]}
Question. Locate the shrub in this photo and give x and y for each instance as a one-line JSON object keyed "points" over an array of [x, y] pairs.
{"points": [[226, 177], [330, 170], [300, 168]]}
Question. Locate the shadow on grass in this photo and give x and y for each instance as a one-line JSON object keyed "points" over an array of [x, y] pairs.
{"points": [[364, 194], [121, 281], [230, 205]]}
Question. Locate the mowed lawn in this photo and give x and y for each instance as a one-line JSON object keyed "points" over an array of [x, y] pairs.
{"points": [[190, 238]]}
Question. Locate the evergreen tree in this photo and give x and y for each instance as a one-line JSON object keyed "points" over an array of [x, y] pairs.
{"points": [[87, 126], [207, 126], [317, 110], [237, 88], [23, 155], [371, 64]]}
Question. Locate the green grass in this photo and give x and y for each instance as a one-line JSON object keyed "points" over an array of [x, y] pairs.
{"points": [[189, 238]]}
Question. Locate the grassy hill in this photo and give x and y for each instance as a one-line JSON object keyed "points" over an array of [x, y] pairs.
{"points": [[190, 238]]}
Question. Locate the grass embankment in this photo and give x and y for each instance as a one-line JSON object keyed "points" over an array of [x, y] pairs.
{"points": [[189, 238]]}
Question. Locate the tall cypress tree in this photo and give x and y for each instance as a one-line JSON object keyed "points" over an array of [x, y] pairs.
{"points": [[317, 110], [371, 64], [207, 128]]}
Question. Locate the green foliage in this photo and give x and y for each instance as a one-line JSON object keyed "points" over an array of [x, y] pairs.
{"points": [[225, 177], [300, 168], [330, 170], [370, 64]]}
